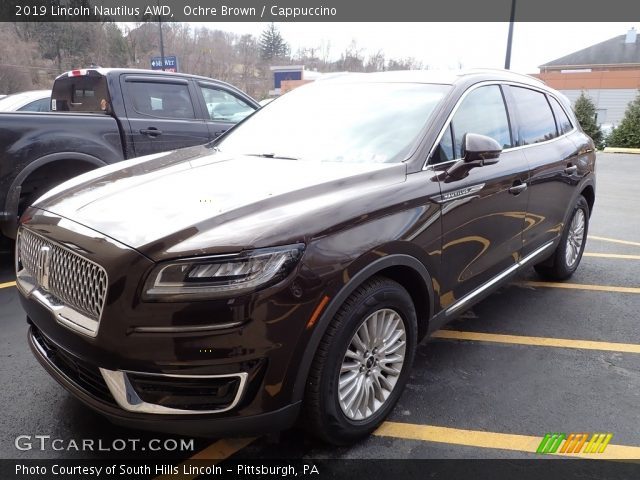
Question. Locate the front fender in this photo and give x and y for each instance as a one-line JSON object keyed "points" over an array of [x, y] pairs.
{"points": [[355, 279]]}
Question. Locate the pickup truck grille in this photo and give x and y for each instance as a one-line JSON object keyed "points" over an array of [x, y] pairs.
{"points": [[73, 280]]}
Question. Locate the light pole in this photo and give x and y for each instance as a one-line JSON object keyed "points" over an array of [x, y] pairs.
{"points": [[161, 39], [507, 60]]}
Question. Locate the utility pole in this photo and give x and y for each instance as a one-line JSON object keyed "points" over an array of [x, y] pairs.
{"points": [[507, 60], [161, 39]]}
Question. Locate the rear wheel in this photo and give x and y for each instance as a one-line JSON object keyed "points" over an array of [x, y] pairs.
{"points": [[362, 363], [568, 253]]}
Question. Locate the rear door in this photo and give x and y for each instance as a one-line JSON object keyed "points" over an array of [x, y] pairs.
{"points": [[552, 157], [483, 211], [223, 107], [163, 113]]}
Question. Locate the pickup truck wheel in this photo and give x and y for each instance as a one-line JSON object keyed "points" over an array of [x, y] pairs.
{"points": [[39, 186], [568, 253], [27, 200], [362, 363]]}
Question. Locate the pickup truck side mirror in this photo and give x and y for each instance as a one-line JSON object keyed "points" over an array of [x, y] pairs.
{"points": [[481, 149]]}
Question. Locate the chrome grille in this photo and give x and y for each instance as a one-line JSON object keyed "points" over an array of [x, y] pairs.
{"points": [[72, 279]]}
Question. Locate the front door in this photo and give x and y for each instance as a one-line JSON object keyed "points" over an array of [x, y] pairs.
{"points": [[162, 114], [223, 108], [484, 210]]}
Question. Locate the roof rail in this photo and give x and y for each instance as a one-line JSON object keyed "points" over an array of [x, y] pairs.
{"points": [[469, 71]]}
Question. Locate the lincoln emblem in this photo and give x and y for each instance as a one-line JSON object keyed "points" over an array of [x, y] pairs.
{"points": [[42, 267]]}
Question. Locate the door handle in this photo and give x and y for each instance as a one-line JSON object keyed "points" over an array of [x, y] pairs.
{"points": [[518, 189], [219, 132], [151, 131], [571, 169]]}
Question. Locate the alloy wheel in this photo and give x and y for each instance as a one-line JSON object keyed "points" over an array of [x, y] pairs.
{"points": [[372, 364], [575, 238]]}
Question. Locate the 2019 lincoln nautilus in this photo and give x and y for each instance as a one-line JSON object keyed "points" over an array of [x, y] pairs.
{"points": [[289, 268]]}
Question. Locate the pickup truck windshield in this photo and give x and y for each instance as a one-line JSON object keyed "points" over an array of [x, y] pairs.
{"points": [[339, 122]]}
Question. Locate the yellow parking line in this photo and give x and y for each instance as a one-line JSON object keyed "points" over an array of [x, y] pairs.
{"points": [[537, 341], [579, 286], [7, 284], [214, 453], [612, 255], [614, 240], [481, 439]]}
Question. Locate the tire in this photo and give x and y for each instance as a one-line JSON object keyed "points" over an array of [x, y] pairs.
{"points": [[27, 200], [379, 301], [568, 253]]}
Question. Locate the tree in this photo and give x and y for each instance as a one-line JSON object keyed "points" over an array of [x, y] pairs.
{"points": [[272, 45], [627, 134], [585, 111], [352, 59], [408, 63], [375, 62], [247, 54], [13, 79]]}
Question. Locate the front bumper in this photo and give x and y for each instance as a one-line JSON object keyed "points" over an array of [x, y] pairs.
{"points": [[96, 395], [125, 368]]}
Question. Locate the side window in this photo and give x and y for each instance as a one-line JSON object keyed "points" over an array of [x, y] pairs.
{"points": [[482, 111], [163, 100], [223, 106], [536, 120], [563, 122], [41, 105]]}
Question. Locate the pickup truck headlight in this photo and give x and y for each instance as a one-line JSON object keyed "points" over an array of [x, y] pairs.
{"points": [[219, 276]]}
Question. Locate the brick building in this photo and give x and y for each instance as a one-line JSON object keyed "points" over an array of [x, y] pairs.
{"points": [[608, 72]]}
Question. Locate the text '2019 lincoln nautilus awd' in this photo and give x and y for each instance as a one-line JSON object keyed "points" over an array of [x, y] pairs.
{"points": [[289, 268]]}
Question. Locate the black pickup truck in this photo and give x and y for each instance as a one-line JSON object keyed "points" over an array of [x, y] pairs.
{"points": [[102, 116]]}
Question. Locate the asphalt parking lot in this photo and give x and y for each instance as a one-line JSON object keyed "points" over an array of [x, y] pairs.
{"points": [[534, 357]]}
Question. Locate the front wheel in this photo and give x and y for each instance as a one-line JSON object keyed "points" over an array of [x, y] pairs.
{"points": [[568, 253], [362, 363]]}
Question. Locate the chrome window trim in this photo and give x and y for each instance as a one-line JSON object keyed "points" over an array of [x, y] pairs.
{"points": [[427, 166], [128, 399], [64, 314]]}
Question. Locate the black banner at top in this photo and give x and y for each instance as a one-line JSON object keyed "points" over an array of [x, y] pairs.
{"points": [[319, 10]]}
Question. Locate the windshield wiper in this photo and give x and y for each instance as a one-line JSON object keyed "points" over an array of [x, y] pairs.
{"points": [[271, 155]]}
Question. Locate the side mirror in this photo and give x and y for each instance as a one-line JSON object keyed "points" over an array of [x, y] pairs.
{"points": [[480, 149]]}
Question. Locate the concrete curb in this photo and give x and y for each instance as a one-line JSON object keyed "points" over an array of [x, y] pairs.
{"points": [[621, 150]]}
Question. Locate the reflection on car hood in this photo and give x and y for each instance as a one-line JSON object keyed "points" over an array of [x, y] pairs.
{"points": [[199, 201]]}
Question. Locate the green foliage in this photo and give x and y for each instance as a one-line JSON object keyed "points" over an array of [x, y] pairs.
{"points": [[627, 134], [585, 111], [272, 45]]}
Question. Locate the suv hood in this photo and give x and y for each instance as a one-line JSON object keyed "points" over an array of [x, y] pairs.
{"points": [[197, 201]]}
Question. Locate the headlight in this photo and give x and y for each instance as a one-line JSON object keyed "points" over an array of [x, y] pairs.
{"points": [[220, 276]]}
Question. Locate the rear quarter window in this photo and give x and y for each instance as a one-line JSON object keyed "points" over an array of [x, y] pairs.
{"points": [[562, 120]]}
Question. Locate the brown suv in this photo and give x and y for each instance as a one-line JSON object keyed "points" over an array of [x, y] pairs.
{"points": [[293, 264]]}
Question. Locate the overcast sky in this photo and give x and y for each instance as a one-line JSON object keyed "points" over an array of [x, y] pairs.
{"points": [[445, 45]]}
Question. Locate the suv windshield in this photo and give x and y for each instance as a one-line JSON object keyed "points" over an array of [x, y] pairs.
{"points": [[340, 122]]}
